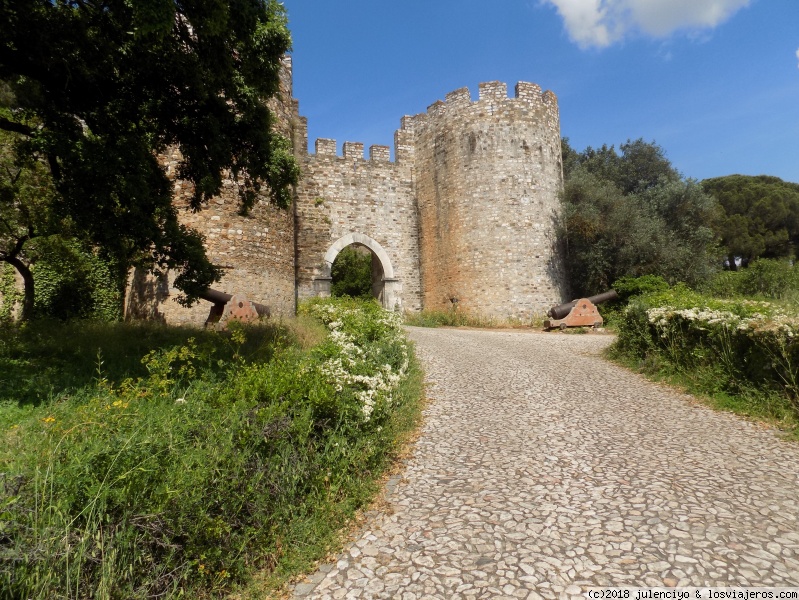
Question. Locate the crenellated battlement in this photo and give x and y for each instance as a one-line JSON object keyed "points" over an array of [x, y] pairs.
{"points": [[493, 93], [351, 151]]}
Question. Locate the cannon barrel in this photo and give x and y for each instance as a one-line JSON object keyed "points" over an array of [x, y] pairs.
{"points": [[561, 310], [221, 298], [215, 296]]}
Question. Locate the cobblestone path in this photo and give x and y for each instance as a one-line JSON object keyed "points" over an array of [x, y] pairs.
{"points": [[542, 468]]}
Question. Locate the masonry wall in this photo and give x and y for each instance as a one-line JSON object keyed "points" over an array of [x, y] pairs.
{"points": [[464, 214], [256, 252], [345, 194], [488, 174]]}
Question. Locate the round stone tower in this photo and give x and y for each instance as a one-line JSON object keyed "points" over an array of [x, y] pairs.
{"points": [[488, 176]]}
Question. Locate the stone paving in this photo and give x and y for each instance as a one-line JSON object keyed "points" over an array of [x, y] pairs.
{"points": [[542, 470]]}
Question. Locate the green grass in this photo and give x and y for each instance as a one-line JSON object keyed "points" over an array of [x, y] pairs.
{"points": [[180, 462], [454, 318], [767, 406], [41, 360]]}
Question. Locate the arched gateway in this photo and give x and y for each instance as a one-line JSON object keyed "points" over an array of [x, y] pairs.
{"points": [[384, 284]]}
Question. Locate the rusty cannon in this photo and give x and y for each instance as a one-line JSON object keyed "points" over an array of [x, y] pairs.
{"points": [[579, 313], [232, 307]]}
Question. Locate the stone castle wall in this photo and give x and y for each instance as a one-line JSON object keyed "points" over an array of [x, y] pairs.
{"points": [[256, 251], [348, 195], [463, 215], [488, 175]]}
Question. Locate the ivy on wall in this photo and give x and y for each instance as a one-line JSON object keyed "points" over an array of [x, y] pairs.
{"points": [[10, 294], [74, 282], [71, 282]]}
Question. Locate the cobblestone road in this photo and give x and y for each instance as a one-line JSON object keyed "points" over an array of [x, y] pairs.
{"points": [[542, 468]]}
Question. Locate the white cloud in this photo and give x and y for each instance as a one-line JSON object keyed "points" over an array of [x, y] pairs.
{"points": [[603, 22]]}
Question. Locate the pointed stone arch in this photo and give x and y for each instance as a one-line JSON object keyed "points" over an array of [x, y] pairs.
{"points": [[388, 286]]}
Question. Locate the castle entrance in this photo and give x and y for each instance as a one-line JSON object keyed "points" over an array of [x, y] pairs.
{"points": [[381, 273]]}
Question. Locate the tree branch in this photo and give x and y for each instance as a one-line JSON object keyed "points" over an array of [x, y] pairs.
{"points": [[8, 125], [16, 249], [55, 168]]}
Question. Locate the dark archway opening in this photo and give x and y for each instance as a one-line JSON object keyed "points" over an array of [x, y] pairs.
{"points": [[357, 272]]}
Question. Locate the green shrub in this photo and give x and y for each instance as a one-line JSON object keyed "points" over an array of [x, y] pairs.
{"points": [[724, 284], [223, 455], [769, 278], [628, 287], [352, 274], [766, 278], [71, 282], [740, 347]]}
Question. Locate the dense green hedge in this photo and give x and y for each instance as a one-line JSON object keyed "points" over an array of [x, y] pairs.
{"points": [[743, 347], [187, 479]]}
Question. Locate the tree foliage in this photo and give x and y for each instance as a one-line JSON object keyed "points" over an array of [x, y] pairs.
{"points": [[352, 274], [632, 214], [761, 216], [95, 89], [26, 196]]}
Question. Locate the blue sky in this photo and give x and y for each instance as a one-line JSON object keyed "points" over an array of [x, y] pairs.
{"points": [[714, 82]]}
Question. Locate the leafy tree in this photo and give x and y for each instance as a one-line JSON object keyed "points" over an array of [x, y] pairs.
{"points": [[640, 166], [95, 89], [761, 216], [26, 195], [352, 274], [629, 287], [631, 215]]}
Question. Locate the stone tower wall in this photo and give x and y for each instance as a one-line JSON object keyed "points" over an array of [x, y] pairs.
{"points": [[488, 175], [348, 194]]}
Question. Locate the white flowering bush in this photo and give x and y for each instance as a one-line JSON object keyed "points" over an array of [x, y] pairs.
{"points": [[365, 357], [743, 343]]}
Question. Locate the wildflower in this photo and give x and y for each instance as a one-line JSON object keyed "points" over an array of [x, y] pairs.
{"points": [[49, 419]]}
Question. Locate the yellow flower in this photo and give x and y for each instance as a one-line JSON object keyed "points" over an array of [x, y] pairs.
{"points": [[49, 419]]}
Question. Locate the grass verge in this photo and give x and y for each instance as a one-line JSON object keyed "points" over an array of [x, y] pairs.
{"points": [[455, 318], [768, 407]]}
